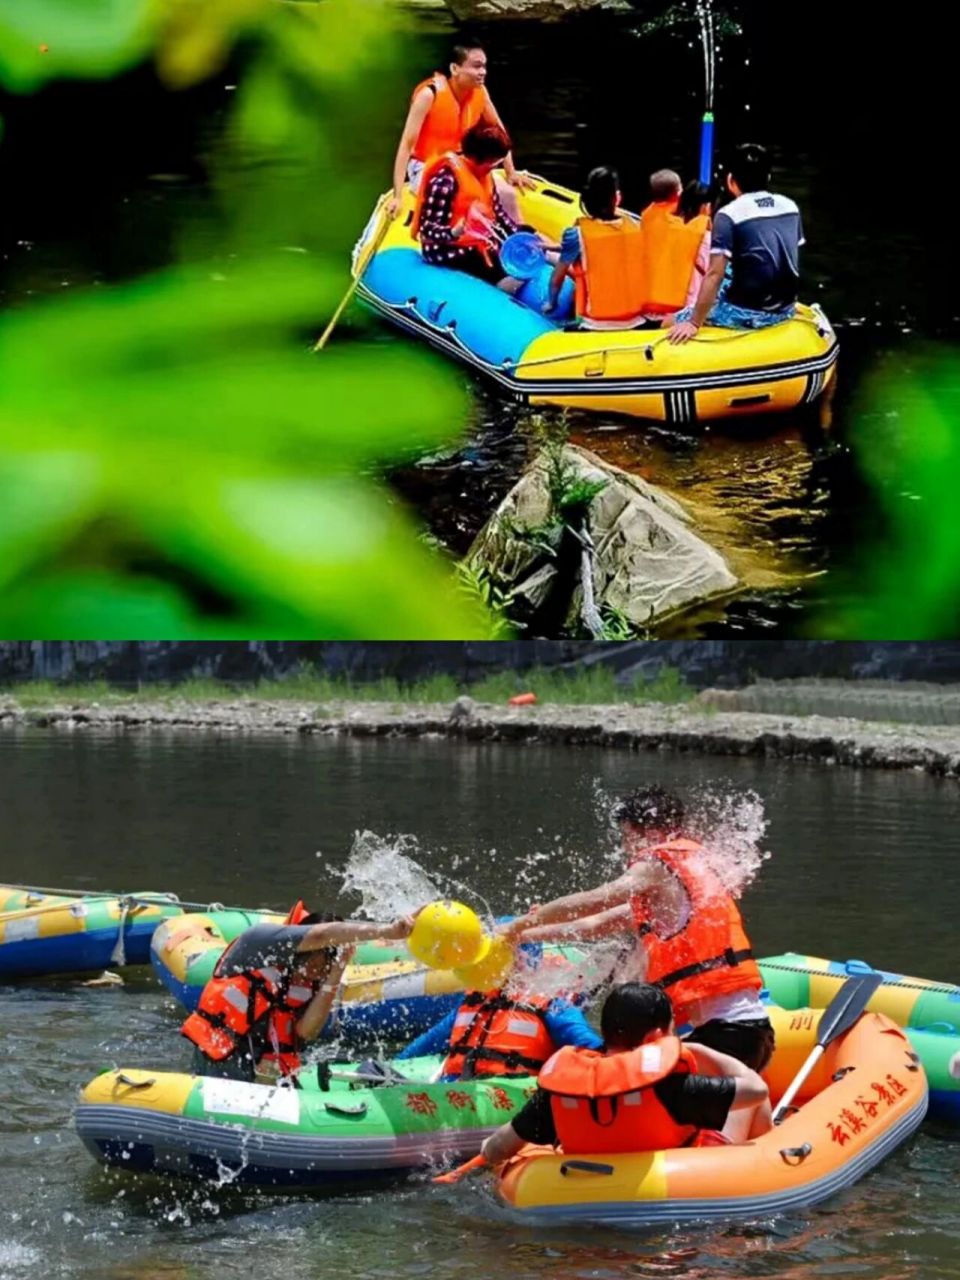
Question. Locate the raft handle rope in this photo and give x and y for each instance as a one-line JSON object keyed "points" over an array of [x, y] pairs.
{"points": [[585, 1166], [97, 895], [905, 983], [129, 1081], [795, 1155], [647, 347]]}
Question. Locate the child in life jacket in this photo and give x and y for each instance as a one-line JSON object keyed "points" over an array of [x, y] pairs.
{"points": [[644, 1091]]}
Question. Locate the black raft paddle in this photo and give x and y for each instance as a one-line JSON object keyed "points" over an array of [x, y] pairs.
{"points": [[839, 1016]]}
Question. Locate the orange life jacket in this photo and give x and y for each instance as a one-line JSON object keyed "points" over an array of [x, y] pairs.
{"points": [[259, 1006], [470, 190], [605, 1102], [449, 118], [668, 255], [710, 955], [495, 1036], [608, 275]]}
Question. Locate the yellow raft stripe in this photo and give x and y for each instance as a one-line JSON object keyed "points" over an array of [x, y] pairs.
{"points": [[641, 1178], [150, 1090], [896, 1002]]}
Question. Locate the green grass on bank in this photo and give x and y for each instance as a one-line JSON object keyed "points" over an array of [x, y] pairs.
{"points": [[588, 685]]}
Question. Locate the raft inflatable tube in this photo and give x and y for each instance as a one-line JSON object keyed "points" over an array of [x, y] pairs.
{"points": [[43, 934], [722, 373], [930, 1011], [270, 1135], [383, 991], [794, 981], [866, 1097]]}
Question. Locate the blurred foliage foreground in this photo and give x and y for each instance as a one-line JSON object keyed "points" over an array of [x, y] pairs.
{"points": [[173, 462]]}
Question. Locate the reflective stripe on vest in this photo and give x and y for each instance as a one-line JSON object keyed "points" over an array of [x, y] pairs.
{"points": [[448, 119]]}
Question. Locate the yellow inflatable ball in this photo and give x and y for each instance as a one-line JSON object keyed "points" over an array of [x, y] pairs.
{"points": [[490, 972], [447, 934]]}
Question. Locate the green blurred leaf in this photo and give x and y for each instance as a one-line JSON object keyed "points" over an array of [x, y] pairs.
{"points": [[332, 550], [43, 39], [907, 437], [44, 500]]}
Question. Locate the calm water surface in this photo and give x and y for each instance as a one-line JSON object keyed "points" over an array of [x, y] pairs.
{"points": [[863, 864]]}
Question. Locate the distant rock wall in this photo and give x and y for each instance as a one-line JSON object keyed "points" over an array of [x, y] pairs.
{"points": [[721, 663]]}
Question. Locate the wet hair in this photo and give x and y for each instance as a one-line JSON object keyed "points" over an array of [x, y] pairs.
{"points": [[461, 52], [650, 808], [631, 1011], [485, 143], [664, 185], [750, 169], [692, 199], [599, 196]]}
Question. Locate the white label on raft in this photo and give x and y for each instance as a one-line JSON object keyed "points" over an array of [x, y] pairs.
{"points": [[78, 909], [404, 985], [256, 1101], [21, 930]]}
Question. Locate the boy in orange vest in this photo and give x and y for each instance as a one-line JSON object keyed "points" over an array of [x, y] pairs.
{"points": [[442, 109], [686, 928], [645, 1091]]}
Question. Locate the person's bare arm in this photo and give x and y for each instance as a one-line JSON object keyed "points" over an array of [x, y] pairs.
{"points": [[501, 1145], [336, 933], [709, 288], [314, 1017], [419, 108], [604, 924], [751, 1088], [592, 901]]}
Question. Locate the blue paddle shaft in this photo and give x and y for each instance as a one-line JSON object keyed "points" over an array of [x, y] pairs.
{"points": [[706, 148]]}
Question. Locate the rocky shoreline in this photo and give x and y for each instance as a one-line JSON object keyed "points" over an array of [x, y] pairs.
{"points": [[691, 727]]}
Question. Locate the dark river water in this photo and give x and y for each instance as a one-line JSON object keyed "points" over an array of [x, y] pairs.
{"points": [[103, 182], [863, 865]]}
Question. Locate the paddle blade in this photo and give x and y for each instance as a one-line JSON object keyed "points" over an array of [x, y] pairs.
{"points": [[846, 1007], [461, 1171]]}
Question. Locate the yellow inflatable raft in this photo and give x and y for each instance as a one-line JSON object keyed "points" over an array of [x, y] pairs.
{"points": [[722, 373]]}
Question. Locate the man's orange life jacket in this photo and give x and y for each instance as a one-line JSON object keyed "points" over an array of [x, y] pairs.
{"points": [[449, 118], [708, 956], [258, 1006], [606, 1102]]}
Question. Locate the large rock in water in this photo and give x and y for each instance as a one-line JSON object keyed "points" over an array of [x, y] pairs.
{"points": [[530, 10], [648, 560]]}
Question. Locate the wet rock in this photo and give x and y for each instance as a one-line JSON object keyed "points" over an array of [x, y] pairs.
{"points": [[648, 561], [463, 709]]}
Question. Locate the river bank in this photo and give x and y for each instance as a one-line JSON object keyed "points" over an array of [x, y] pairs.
{"points": [[699, 726]]}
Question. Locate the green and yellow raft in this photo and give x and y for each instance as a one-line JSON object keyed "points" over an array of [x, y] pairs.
{"points": [[275, 1135]]}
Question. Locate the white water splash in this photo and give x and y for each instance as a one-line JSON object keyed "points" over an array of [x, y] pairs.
{"points": [[385, 872], [732, 827], [14, 1255]]}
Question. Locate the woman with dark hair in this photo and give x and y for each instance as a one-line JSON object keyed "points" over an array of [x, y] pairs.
{"points": [[459, 218], [602, 252]]}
